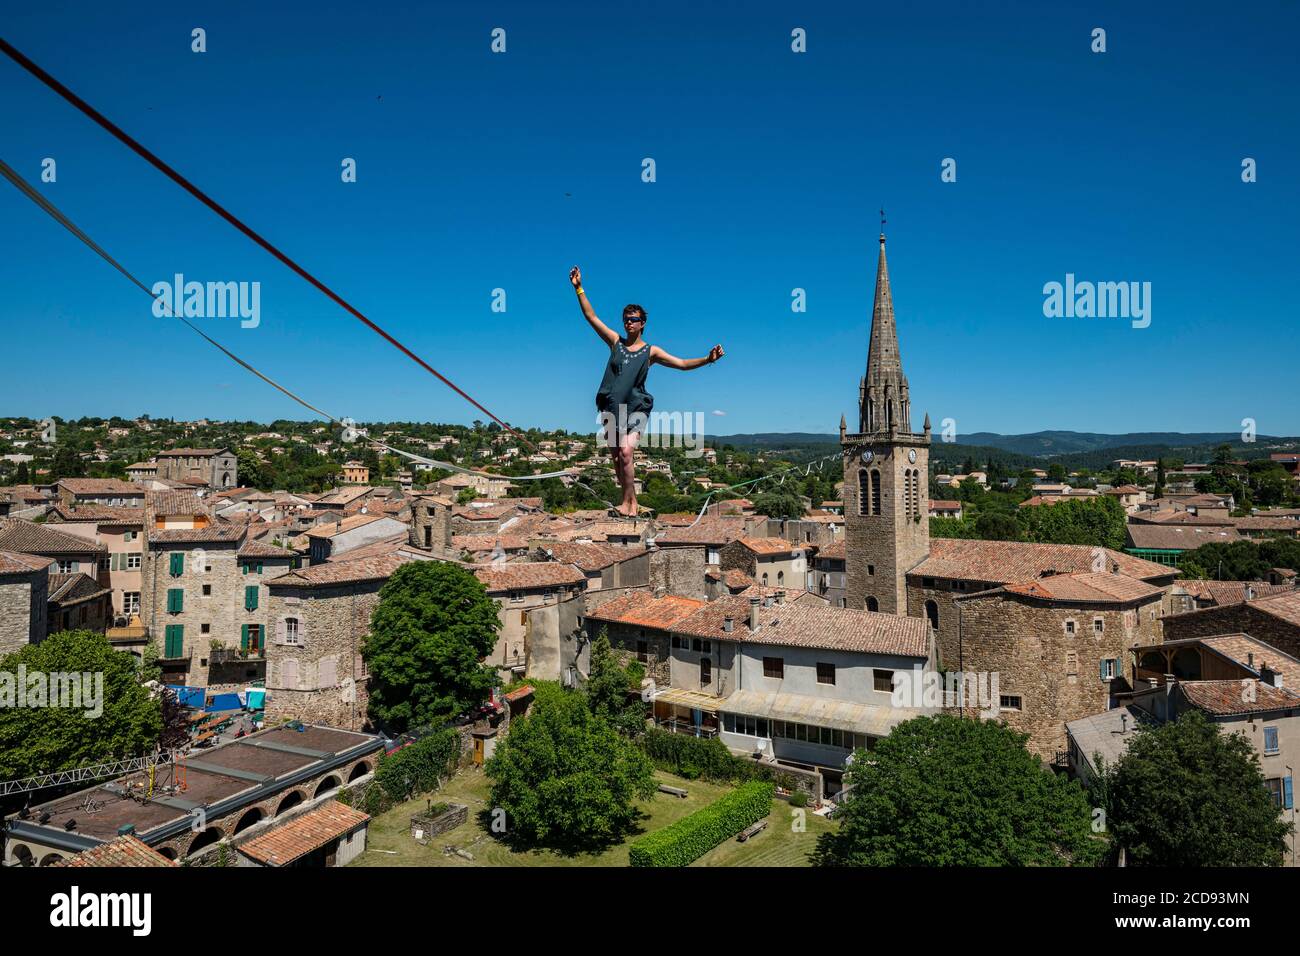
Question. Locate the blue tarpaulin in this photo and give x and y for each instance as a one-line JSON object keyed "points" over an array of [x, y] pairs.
{"points": [[224, 702], [189, 696], [256, 698]]}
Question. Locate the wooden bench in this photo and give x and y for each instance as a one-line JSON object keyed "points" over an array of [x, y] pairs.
{"points": [[675, 791], [752, 829]]}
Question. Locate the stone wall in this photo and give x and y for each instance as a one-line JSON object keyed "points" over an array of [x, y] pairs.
{"points": [[678, 571], [23, 600], [216, 566], [1235, 619], [1056, 676], [322, 678]]}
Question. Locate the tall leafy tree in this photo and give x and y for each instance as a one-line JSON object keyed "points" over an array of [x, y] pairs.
{"points": [[607, 689], [1186, 794], [39, 739], [431, 629], [947, 791], [565, 778]]}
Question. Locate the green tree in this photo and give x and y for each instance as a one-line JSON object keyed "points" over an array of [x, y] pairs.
{"points": [[433, 625], [776, 505], [1184, 794], [607, 689], [42, 739], [1099, 522], [565, 778], [944, 791]]}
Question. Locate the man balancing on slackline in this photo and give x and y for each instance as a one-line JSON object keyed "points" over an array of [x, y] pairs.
{"points": [[623, 403]]}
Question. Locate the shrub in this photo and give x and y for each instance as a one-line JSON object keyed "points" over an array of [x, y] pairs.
{"points": [[691, 837], [420, 766], [798, 799], [697, 757]]}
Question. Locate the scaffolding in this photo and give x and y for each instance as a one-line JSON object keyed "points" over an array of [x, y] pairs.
{"points": [[114, 768]]}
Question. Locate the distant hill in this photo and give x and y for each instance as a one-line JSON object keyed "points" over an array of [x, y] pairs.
{"points": [[1072, 449]]}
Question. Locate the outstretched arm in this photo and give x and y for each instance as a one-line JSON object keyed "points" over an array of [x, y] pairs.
{"points": [[603, 330], [661, 357]]}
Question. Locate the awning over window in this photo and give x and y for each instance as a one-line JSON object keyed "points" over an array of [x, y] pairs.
{"points": [[871, 719]]}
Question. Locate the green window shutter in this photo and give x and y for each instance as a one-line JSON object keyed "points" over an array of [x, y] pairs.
{"points": [[250, 598], [243, 568], [243, 637], [259, 567], [175, 646], [175, 600], [177, 564]]}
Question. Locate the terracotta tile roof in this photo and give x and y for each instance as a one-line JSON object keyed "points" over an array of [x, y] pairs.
{"points": [[596, 531], [213, 533], [1013, 562], [1090, 588], [734, 579], [15, 562], [1177, 518], [1265, 523], [489, 542], [1284, 607], [937, 505], [1125, 490], [800, 625], [101, 486], [490, 513], [353, 571], [836, 551], [329, 529], [770, 546], [168, 503], [708, 531], [255, 548], [73, 588], [104, 514], [1220, 593], [344, 496], [125, 851], [641, 609], [286, 842], [766, 591], [1252, 654], [1227, 697], [590, 557], [676, 519], [1160, 537], [524, 575], [30, 538]]}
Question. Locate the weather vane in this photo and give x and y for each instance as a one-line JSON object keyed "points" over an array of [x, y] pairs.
{"points": [[882, 220]]}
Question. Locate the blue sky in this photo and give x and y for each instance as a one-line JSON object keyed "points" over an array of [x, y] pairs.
{"points": [[479, 171]]}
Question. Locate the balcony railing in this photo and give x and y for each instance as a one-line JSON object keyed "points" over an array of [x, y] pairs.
{"points": [[686, 727], [235, 655]]}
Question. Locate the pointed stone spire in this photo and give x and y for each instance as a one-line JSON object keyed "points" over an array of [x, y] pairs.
{"points": [[844, 427], [883, 392]]}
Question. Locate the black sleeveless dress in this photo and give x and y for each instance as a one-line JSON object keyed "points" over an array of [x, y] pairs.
{"points": [[624, 381]]}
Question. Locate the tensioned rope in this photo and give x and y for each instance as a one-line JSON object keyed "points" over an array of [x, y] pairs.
{"points": [[26, 63], [30, 192]]}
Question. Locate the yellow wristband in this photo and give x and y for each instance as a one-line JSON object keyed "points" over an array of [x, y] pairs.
{"points": [[580, 291]]}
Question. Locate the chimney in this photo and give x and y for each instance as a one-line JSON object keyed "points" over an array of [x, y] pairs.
{"points": [[767, 600], [780, 597], [1269, 676], [753, 614], [728, 625], [1250, 593], [1250, 659]]}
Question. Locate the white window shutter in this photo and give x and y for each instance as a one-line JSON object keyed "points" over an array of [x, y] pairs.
{"points": [[291, 674], [328, 673], [280, 631], [272, 673]]}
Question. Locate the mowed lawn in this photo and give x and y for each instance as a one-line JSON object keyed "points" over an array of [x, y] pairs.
{"points": [[389, 842]]}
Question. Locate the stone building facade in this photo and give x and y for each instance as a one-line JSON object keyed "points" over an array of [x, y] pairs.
{"points": [[219, 467], [319, 618], [1059, 648], [431, 523], [1274, 620], [204, 598], [24, 591]]}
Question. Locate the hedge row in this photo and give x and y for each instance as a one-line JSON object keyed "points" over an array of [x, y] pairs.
{"points": [[691, 837], [420, 766], [699, 758]]}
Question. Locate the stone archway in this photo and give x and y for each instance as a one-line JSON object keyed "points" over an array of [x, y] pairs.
{"points": [[359, 771], [250, 818], [205, 839], [329, 783], [51, 858], [290, 801]]}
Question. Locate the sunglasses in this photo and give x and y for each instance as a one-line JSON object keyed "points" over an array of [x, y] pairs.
{"points": [[633, 318]]}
